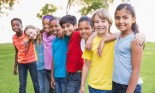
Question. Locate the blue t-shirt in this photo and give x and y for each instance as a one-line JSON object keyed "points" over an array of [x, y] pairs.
{"points": [[40, 55], [122, 60], [60, 47]]}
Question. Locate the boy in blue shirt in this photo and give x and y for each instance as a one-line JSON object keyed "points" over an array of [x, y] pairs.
{"points": [[59, 50]]}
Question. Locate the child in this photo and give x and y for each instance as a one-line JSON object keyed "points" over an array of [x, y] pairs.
{"points": [[127, 59], [35, 36], [59, 50], [74, 60], [47, 42], [100, 74], [25, 59]]}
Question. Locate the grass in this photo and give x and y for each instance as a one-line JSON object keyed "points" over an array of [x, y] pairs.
{"points": [[9, 83]]}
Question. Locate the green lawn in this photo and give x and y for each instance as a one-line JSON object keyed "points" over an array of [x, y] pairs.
{"points": [[10, 84]]}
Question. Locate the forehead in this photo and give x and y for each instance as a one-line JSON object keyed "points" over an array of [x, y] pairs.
{"points": [[122, 12], [45, 21], [30, 30], [15, 22], [84, 23], [66, 24], [52, 22], [97, 17]]}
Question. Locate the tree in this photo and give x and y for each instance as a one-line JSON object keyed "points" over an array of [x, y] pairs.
{"points": [[92, 5], [48, 9], [6, 5], [88, 6]]}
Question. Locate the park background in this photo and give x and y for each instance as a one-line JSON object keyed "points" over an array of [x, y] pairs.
{"points": [[27, 10]]}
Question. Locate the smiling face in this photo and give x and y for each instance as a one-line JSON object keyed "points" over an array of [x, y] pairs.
{"points": [[16, 26], [124, 20], [85, 29], [55, 27], [31, 33], [101, 25], [68, 29], [45, 24]]}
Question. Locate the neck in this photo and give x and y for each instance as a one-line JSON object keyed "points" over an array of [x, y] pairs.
{"points": [[49, 34], [103, 35], [19, 34], [125, 33]]}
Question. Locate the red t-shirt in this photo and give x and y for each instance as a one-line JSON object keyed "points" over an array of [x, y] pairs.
{"points": [[74, 54]]}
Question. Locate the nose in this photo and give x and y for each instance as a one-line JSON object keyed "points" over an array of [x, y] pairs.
{"points": [[65, 29], [121, 20], [100, 23]]}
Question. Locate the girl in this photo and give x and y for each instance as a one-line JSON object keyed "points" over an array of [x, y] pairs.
{"points": [[34, 35], [128, 56], [47, 42]]}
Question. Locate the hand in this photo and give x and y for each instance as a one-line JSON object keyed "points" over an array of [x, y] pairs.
{"points": [[61, 34], [52, 83], [100, 47], [15, 71], [139, 39], [88, 46], [82, 89]]}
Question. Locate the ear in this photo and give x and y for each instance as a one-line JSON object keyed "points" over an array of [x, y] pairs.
{"points": [[75, 26], [133, 19]]}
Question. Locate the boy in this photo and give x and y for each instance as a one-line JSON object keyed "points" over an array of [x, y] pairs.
{"points": [[25, 59], [74, 60], [59, 50]]}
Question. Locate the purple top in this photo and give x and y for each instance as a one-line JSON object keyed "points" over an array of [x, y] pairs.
{"points": [[47, 41]]}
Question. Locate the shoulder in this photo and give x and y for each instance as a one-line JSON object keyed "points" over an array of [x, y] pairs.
{"points": [[14, 36], [136, 47]]}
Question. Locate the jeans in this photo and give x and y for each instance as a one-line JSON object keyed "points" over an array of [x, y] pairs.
{"points": [[60, 85], [48, 88], [92, 90], [73, 82], [41, 78], [120, 88], [23, 70]]}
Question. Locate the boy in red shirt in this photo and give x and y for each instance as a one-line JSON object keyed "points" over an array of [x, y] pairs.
{"points": [[74, 62]]}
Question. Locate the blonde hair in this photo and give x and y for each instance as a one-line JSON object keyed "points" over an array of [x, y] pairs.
{"points": [[39, 35], [103, 14]]}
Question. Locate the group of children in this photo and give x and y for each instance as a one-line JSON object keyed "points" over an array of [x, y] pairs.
{"points": [[62, 65]]}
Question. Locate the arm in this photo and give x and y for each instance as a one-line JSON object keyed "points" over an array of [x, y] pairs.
{"points": [[52, 75], [89, 41], [85, 70], [105, 40], [16, 63], [136, 62]]}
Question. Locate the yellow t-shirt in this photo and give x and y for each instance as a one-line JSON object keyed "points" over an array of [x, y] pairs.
{"points": [[100, 73]]}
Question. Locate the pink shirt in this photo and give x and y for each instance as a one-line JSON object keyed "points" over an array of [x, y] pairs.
{"points": [[47, 42]]}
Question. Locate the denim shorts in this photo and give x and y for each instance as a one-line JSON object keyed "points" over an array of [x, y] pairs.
{"points": [[121, 88]]}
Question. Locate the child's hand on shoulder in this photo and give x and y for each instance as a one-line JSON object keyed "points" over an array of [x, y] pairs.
{"points": [[139, 39]]}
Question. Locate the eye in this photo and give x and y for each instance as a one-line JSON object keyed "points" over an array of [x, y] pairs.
{"points": [[117, 17], [96, 21]]}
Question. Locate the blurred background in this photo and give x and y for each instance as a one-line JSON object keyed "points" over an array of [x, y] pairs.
{"points": [[31, 11]]}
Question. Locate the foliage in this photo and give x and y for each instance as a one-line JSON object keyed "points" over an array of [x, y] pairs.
{"points": [[92, 5], [48, 9], [6, 5]]}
